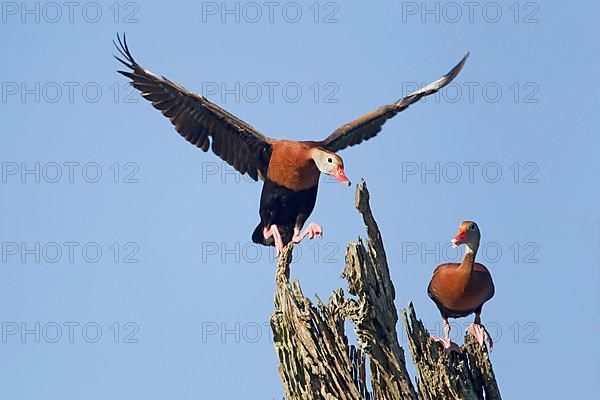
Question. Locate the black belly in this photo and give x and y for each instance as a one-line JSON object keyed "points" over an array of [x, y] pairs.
{"points": [[448, 313], [285, 208]]}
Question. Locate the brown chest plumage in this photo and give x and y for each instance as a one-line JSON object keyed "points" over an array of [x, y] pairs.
{"points": [[291, 165], [460, 291]]}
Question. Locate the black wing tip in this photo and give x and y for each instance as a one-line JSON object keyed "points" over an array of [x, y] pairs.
{"points": [[128, 74], [465, 58], [123, 49], [458, 67]]}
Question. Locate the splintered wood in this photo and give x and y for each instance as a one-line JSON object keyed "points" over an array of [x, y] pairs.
{"points": [[316, 361]]}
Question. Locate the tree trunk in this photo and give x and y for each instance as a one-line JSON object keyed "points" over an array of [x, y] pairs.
{"points": [[317, 361]]}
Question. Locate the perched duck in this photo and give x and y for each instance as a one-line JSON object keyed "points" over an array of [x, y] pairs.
{"points": [[289, 168], [462, 289]]}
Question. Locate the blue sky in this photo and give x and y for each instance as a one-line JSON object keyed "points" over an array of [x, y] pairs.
{"points": [[126, 265]]}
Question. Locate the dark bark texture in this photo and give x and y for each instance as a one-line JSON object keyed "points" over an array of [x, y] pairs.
{"points": [[316, 360]]}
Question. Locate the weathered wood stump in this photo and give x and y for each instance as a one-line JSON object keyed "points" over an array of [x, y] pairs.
{"points": [[317, 361]]}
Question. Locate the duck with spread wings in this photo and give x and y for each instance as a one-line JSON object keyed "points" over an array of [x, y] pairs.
{"points": [[290, 169]]}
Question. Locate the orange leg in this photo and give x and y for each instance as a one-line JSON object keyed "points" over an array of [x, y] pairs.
{"points": [[312, 230], [273, 231], [481, 334], [448, 345]]}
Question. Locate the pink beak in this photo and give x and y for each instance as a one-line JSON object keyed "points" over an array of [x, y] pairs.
{"points": [[339, 175], [459, 239]]}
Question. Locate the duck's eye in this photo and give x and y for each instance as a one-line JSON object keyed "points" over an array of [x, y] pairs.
{"points": [[472, 227], [329, 160]]}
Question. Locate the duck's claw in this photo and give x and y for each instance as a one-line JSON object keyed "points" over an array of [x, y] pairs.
{"points": [[481, 334], [311, 230], [449, 346], [274, 231]]}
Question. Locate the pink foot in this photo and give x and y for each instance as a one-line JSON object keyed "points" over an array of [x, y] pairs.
{"points": [[481, 334], [312, 230], [449, 346], [273, 231]]}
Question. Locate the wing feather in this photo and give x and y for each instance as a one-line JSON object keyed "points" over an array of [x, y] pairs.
{"points": [[369, 125], [197, 119]]}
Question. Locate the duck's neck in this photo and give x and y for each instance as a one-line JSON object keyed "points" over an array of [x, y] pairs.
{"points": [[469, 259]]}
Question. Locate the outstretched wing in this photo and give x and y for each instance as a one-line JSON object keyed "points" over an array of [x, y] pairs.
{"points": [[197, 119], [369, 125]]}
